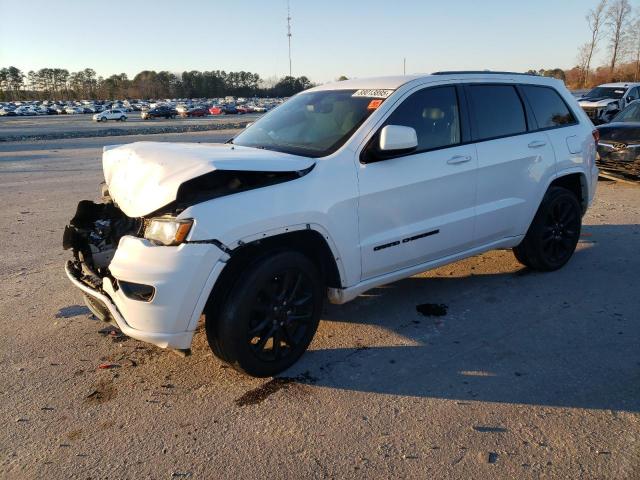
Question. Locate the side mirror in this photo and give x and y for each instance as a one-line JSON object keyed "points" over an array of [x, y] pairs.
{"points": [[397, 138]]}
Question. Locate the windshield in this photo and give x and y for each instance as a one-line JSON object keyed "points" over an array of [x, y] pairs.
{"points": [[311, 124], [629, 114], [605, 92]]}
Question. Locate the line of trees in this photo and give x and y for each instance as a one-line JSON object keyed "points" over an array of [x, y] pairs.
{"points": [[60, 84], [614, 27]]}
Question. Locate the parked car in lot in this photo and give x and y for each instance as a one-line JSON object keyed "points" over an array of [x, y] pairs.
{"points": [[161, 111], [182, 109], [113, 114], [244, 109], [223, 110], [229, 109], [73, 110], [216, 110], [424, 171], [605, 101], [619, 145], [195, 112]]}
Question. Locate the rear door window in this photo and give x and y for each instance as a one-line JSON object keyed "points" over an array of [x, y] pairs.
{"points": [[548, 107], [498, 111]]}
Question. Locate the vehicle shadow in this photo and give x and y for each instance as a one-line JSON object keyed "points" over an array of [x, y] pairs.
{"points": [[568, 338]]}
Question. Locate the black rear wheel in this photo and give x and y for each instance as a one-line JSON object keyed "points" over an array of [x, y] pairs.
{"points": [[554, 232], [270, 316]]}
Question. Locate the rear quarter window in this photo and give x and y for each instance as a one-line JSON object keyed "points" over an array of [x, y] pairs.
{"points": [[548, 107], [497, 111]]}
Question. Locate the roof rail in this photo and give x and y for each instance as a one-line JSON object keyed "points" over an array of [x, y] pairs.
{"points": [[479, 72]]}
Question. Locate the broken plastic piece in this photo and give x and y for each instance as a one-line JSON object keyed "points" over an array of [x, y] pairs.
{"points": [[108, 365]]}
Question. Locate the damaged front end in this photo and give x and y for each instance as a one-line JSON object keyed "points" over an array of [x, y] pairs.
{"points": [[93, 235], [133, 257]]}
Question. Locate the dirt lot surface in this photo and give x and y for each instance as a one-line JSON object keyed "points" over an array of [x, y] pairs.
{"points": [[526, 376], [74, 126]]}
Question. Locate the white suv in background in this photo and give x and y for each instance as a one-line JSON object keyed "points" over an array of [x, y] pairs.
{"points": [[343, 188], [605, 101], [113, 114]]}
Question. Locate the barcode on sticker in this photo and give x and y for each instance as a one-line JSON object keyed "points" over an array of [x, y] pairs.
{"points": [[374, 93]]}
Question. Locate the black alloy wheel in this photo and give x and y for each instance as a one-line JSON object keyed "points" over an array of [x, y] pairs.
{"points": [[561, 230], [554, 232], [269, 316], [281, 315]]}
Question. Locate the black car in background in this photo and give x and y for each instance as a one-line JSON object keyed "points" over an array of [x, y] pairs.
{"points": [[161, 111], [229, 109], [619, 145]]}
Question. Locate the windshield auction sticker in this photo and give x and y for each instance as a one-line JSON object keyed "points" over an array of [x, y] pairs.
{"points": [[372, 93]]}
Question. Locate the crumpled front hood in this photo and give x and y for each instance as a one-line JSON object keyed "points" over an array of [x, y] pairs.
{"points": [[145, 176], [596, 102]]}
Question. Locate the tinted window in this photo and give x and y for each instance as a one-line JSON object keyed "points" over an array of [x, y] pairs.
{"points": [[498, 111], [433, 113], [629, 114], [605, 92], [548, 107]]}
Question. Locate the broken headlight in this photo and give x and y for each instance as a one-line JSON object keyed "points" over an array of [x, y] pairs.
{"points": [[167, 230]]}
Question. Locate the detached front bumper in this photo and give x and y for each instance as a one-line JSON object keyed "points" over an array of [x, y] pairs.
{"points": [[181, 277]]}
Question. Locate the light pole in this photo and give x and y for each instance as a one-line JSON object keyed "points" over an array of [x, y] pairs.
{"points": [[289, 35]]}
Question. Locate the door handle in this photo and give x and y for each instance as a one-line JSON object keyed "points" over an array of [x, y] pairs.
{"points": [[537, 144], [457, 159]]}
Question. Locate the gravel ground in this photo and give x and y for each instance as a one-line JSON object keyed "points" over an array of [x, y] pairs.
{"points": [[527, 375], [52, 127]]}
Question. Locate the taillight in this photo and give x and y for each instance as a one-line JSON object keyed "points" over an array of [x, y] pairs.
{"points": [[596, 136]]}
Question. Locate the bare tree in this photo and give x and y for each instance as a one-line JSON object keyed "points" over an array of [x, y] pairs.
{"points": [[618, 22], [635, 42], [595, 20]]}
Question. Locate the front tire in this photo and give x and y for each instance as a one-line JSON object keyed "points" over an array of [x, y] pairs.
{"points": [[270, 315], [554, 232]]}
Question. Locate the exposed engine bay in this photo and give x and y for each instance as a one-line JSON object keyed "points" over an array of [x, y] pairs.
{"points": [[96, 228], [93, 233]]}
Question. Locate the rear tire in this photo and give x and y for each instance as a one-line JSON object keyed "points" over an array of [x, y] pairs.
{"points": [[270, 315], [123, 118], [554, 233]]}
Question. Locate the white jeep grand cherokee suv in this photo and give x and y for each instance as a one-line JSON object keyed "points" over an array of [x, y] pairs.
{"points": [[343, 188]]}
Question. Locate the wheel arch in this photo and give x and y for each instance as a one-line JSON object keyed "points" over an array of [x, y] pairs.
{"points": [[310, 240], [575, 182]]}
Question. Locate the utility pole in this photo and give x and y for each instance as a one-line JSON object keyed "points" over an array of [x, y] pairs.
{"points": [[404, 66], [289, 35]]}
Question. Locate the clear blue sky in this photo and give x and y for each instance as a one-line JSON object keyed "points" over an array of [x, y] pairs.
{"points": [[330, 37]]}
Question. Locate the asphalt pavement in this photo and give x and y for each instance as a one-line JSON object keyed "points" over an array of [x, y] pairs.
{"points": [[49, 127], [526, 375]]}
